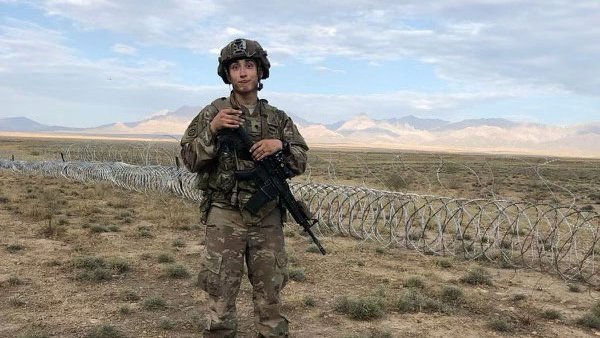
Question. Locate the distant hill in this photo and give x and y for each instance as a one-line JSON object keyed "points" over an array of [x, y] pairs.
{"points": [[502, 123], [407, 132], [24, 124], [21, 124], [419, 123]]}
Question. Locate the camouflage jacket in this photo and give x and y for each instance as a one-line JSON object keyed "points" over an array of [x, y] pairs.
{"points": [[215, 163]]}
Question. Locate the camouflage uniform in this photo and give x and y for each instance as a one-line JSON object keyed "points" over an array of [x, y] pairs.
{"points": [[233, 235]]}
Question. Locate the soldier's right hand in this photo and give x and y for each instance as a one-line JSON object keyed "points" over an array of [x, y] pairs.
{"points": [[226, 118]]}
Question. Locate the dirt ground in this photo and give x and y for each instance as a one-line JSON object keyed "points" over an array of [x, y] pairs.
{"points": [[92, 260]]}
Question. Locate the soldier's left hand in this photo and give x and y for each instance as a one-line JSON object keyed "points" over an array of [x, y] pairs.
{"points": [[264, 148]]}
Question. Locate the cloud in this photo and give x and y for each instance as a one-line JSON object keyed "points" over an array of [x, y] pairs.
{"points": [[332, 70], [507, 42], [124, 49], [323, 108], [37, 67], [482, 50]]}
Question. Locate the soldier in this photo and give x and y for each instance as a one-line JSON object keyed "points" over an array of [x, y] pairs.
{"points": [[233, 235]]}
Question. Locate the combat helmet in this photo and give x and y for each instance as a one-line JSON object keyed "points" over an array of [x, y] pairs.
{"points": [[243, 49]]}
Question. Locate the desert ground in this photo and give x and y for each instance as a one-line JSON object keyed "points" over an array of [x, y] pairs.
{"points": [[93, 260]]}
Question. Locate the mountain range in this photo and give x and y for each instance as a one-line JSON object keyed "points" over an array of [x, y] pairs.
{"points": [[491, 135]]}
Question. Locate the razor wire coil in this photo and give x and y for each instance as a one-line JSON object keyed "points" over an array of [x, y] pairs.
{"points": [[512, 234]]}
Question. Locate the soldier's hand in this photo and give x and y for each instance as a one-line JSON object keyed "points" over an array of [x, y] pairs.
{"points": [[264, 148], [226, 118]]}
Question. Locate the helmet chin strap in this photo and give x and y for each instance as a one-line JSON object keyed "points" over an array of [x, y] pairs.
{"points": [[259, 74]]}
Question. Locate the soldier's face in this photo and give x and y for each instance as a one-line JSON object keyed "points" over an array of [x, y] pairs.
{"points": [[243, 75]]}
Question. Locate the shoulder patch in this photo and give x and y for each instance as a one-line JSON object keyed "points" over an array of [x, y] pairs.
{"points": [[193, 130]]}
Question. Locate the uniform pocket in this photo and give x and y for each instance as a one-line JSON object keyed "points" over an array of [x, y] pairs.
{"points": [[273, 130], [281, 270], [225, 179], [209, 278]]}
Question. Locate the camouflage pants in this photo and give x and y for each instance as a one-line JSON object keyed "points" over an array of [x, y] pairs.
{"points": [[230, 243]]}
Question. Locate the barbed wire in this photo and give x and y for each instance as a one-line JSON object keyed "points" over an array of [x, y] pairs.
{"points": [[512, 234], [494, 177], [140, 153]]}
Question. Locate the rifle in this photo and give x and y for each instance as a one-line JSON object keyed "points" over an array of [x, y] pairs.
{"points": [[270, 175]]}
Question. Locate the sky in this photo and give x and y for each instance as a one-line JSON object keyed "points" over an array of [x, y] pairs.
{"points": [[83, 63]]}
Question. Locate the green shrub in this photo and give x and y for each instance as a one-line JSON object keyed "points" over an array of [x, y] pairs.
{"points": [[551, 314], [444, 263], [144, 232], [35, 335], [309, 301], [166, 324], [89, 262], [97, 269], [98, 229], [288, 232], [130, 296], [179, 243], [297, 274], [165, 258], [414, 300], [477, 276], [364, 308], [124, 309], [14, 280], [595, 310], [105, 331], [50, 230], [313, 248], [154, 303], [177, 271], [16, 301], [414, 282], [124, 214], [500, 325], [519, 297], [114, 228], [119, 265], [13, 248], [589, 320], [95, 275], [451, 294]]}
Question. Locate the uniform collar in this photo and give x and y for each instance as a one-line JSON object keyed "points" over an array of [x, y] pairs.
{"points": [[236, 105]]}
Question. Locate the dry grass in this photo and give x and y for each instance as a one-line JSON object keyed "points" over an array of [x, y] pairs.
{"points": [[137, 275]]}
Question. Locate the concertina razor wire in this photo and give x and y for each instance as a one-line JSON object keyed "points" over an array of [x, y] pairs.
{"points": [[511, 234]]}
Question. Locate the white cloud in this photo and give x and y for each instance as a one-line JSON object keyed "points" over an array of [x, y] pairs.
{"points": [[330, 108], [156, 22], [234, 32], [124, 49], [538, 43], [161, 112], [71, 90], [483, 49], [332, 70]]}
